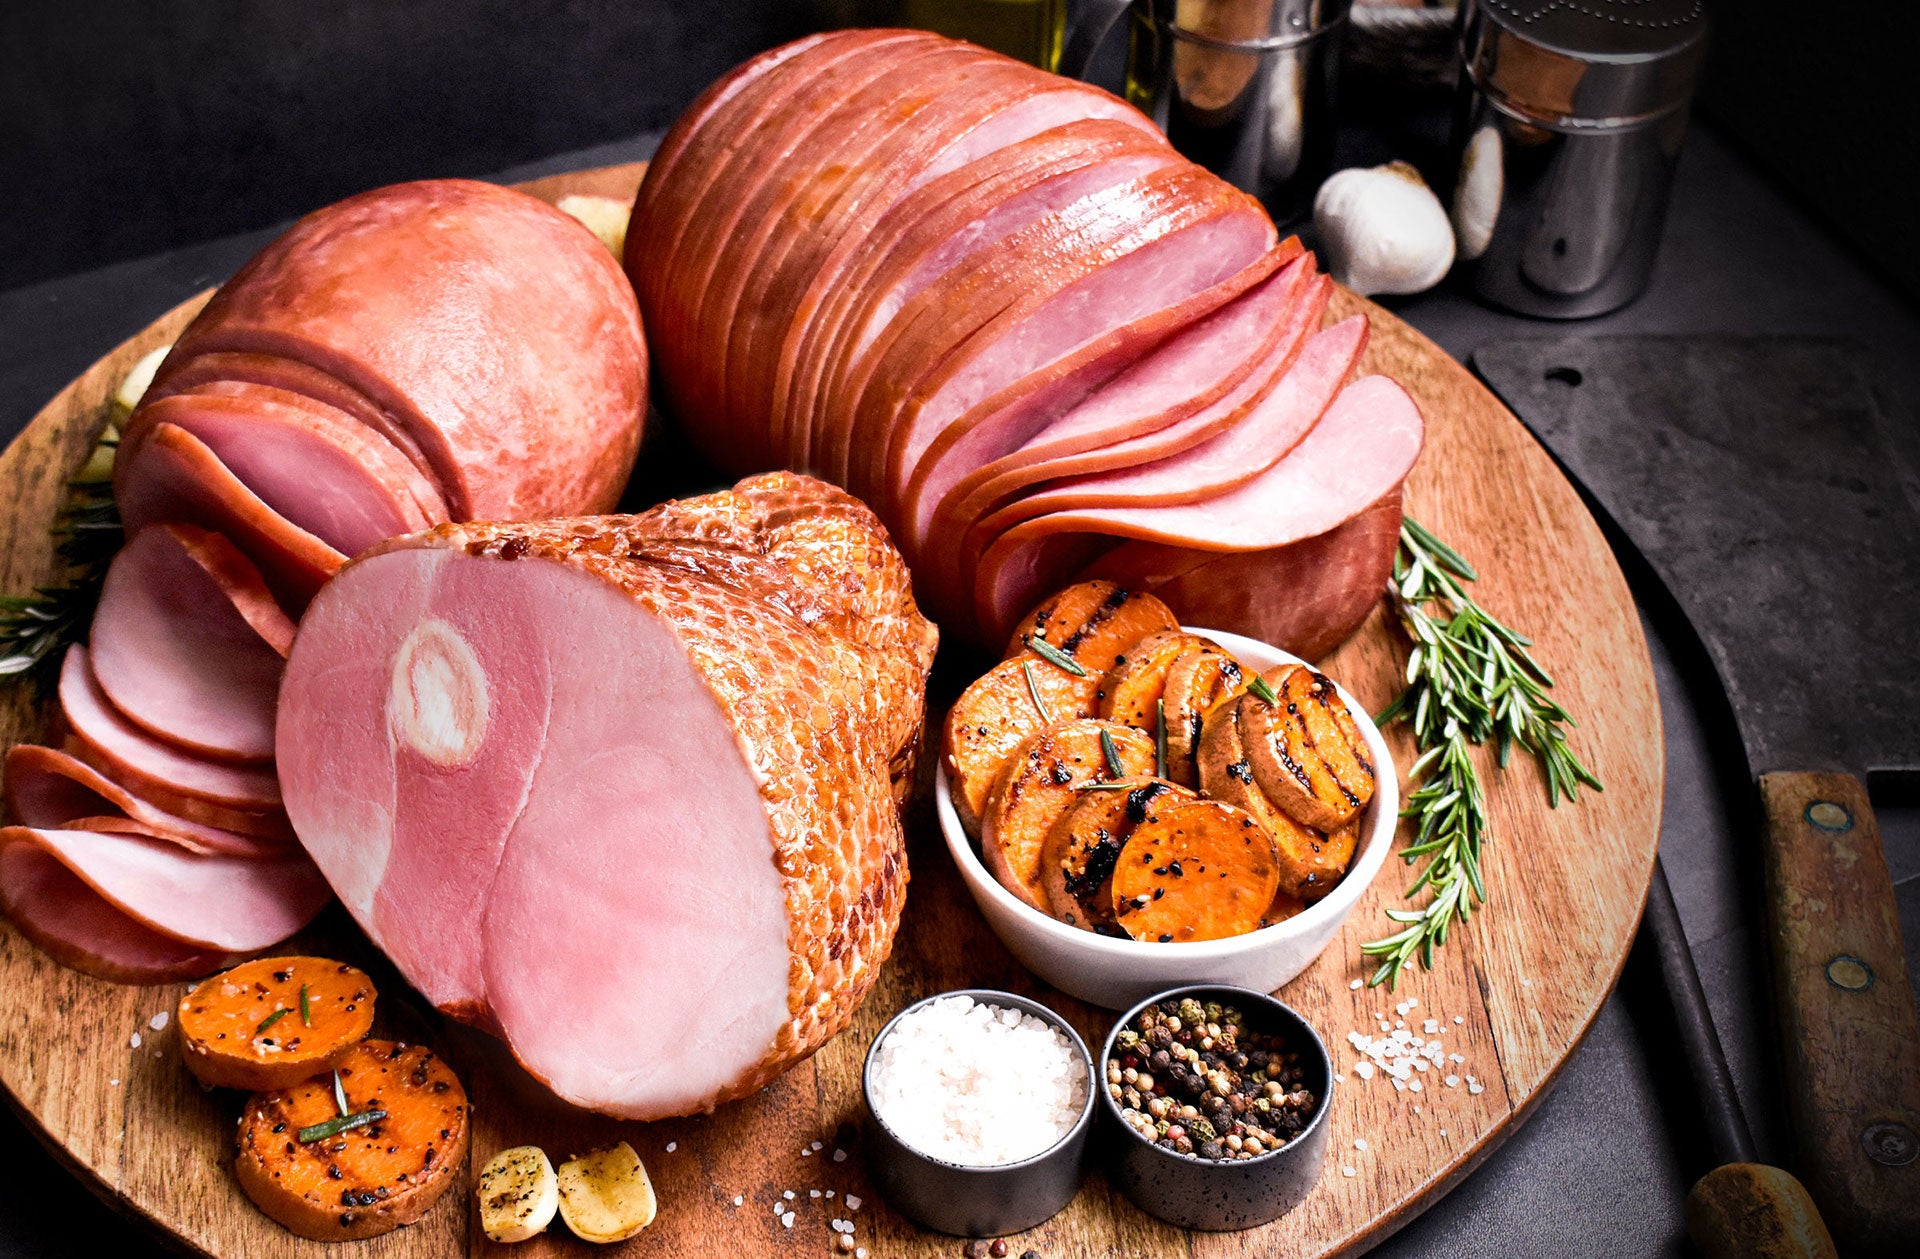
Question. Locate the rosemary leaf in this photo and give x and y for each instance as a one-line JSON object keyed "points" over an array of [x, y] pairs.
{"points": [[339, 1096], [306, 1007], [1258, 685], [334, 1127], [1054, 656], [1114, 768], [1160, 738], [270, 1020], [1033, 689]]}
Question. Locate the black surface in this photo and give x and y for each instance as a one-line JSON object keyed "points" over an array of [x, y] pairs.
{"points": [[1756, 475], [1601, 1167]]}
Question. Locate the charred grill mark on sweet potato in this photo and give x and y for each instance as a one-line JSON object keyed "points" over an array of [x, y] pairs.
{"points": [[1131, 692], [1198, 681], [994, 715], [1096, 623], [1306, 751], [1076, 866], [1043, 779], [1310, 863], [1195, 871]]}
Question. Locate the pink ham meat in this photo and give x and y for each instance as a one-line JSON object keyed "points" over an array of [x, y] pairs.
{"points": [[621, 789], [233, 797], [77, 927], [209, 902], [496, 331], [176, 656], [1359, 452], [46, 788], [173, 477]]}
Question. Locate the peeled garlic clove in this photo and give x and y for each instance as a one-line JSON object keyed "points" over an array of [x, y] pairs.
{"points": [[605, 217], [1476, 199], [1383, 229], [605, 1196], [518, 1194], [134, 387]]}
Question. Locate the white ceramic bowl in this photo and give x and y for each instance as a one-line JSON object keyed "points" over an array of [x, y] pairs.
{"points": [[1120, 973]]}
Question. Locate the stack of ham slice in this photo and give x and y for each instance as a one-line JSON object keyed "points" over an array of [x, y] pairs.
{"points": [[622, 789], [998, 306], [415, 354]]}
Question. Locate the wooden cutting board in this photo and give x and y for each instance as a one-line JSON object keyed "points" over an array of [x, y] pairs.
{"points": [[1514, 992]]}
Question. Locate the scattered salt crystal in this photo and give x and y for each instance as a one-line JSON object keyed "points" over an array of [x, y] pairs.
{"points": [[829, 1193], [787, 1194], [1453, 1081], [1431, 1027], [1385, 1026], [1359, 1143], [1414, 1085], [817, 1145], [1443, 1132], [133, 1042], [843, 1226], [1364, 1070], [1402, 1008], [853, 1202], [1347, 1171], [813, 1193], [1355, 985], [786, 1220], [839, 1156], [1526, 983], [977, 1084], [1459, 1018], [1456, 1057], [158, 1021], [115, 1083], [1474, 1086], [1399, 1085], [861, 1253], [739, 1200], [1401, 1023], [672, 1146], [806, 1154]]}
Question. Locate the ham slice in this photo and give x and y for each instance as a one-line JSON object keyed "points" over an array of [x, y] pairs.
{"points": [[174, 477], [77, 927], [50, 789], [1361, 449], [213, 903], [177, 657], [497, 740], [232, 797]]}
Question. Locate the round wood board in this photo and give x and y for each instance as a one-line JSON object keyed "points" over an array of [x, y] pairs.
{"points": [[1513, 992]]}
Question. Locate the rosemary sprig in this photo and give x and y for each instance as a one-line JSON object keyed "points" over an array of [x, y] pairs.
{"points": [[35, 628], [1112, 754], [270, 1020], [1033, 690], [306, 1007], [1261, 687], [1470, 678]]}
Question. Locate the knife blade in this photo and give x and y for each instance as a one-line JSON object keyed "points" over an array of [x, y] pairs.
{"points": [[1759, 479]]}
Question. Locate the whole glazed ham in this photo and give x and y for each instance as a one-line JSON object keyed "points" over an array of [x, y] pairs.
{"points": [[997, 306], [520, 753], [416, 354]]}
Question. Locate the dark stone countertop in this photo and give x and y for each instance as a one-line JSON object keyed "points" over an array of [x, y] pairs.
{"points": [[1603, 1165]]}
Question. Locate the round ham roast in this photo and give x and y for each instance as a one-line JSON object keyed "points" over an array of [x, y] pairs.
{"points": [[622, 789]]}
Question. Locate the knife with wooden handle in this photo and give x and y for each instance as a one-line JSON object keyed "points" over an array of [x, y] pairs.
{"points": [[1759, 479]]}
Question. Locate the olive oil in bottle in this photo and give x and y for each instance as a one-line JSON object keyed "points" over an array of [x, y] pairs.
{"points": [[1028, 29]]}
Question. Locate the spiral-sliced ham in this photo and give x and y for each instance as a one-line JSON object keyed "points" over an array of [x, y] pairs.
{"points": [[518, 752], [949, 283], [51, 789]]}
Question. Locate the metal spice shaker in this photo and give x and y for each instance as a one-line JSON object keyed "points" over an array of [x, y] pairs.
{"points": [[1567, 127], [1243, 87]]}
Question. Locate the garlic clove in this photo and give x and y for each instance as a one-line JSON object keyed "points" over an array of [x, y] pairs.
{"points": [[1383, 230], [1476, 201]]}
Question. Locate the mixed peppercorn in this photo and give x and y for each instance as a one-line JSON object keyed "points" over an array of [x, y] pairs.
{"points": [[1197, 1079]]}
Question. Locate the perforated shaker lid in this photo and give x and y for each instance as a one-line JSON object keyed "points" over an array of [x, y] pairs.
{"points": [[1584, 64]]}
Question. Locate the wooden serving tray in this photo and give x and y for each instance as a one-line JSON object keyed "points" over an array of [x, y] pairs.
{"points": [[1524, 980]]}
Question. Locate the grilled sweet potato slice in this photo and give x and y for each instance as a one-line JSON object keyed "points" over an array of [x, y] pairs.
{"points": [[1095, 623], [273, 1022], [1306, 751], [1076, 865], [364, 1180], [1200, 871], [1199, 680], [1310, 862], [1131, 693], [993, 715], [1043, 778]]}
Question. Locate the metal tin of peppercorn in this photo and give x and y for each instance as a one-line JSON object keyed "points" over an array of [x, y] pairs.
{"points": [[967, 1200], [1567, 129], [1216, 1195]]}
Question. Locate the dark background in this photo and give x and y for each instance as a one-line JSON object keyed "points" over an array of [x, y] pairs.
{"points": [[132, 126]]}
